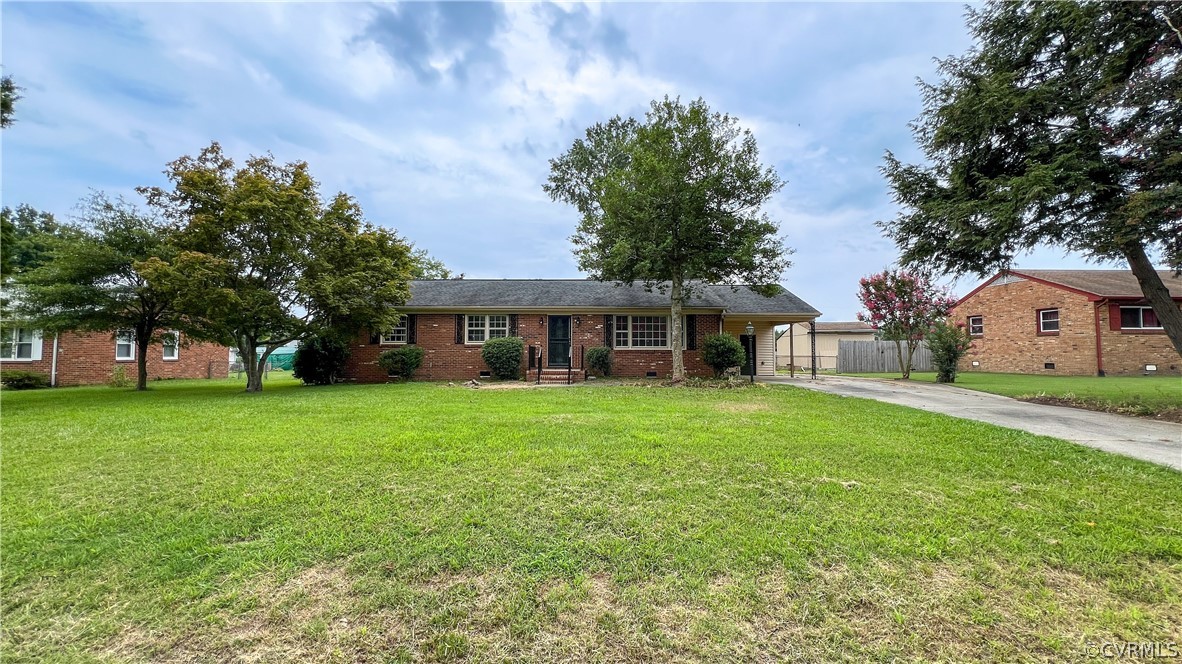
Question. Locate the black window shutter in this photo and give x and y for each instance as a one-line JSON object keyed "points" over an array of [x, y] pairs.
{"points": [[608, 334], [512, 325], [374, 337], [459, 328], [411, 329], [691, 332]]}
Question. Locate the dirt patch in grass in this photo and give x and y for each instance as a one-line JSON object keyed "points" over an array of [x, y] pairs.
{"points": [[1163, 414], [741, 407], [926, 611]]}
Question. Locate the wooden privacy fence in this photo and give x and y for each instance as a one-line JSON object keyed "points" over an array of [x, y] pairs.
{"points": [[878, 357]]}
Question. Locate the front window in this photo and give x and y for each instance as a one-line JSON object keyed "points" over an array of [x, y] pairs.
{"points": [[1139, 318], [1048, 320], [125, 345], [172, 346], [642, 332], [482, 328], [18, 344], [396, 334], [976, 326]]}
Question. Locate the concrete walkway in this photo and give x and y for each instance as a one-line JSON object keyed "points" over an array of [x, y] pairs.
{"points": [[1158, 442]]}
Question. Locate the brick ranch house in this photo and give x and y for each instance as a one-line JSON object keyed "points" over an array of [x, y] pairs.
{"points": [[1070, 322], [559, 319], [89, 358]]}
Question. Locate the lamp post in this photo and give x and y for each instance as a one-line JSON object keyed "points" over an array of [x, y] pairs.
{"points": [[750, 329]]}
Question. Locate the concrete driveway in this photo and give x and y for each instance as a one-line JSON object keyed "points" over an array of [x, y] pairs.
{"points": [[1159, 442]]}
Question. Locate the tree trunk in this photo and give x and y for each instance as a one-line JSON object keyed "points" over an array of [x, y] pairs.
{"points": [[902, 366], [1158, 295], [141, 359], [911, 344], [676, 295], [247, 350]]}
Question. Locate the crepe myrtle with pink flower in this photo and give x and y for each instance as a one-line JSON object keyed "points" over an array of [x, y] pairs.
{"points": [[903, 306]]}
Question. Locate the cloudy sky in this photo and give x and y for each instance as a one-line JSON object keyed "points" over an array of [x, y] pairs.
{"points": [[440, 117]]}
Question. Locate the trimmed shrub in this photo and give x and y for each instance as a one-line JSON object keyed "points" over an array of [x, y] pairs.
{"points": [[599, 360], [320, 360], [19, 379], [402, 362], [723, 351], [948, 343], [503, 356]]}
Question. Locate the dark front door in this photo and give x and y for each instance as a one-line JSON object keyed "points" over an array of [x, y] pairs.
{"points": [[558, 342], [748, 342]]}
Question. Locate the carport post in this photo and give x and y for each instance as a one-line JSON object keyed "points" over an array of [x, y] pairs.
{"points": [[791, 350], [813, 345]]}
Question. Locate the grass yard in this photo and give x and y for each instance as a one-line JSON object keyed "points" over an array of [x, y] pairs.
{"points": [[1140, 395], [419, 522]]}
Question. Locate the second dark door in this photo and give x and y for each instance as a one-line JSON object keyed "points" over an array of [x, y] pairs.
{"points": [[558, 342]]}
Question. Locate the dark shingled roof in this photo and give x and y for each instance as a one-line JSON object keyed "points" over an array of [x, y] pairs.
{"points": [[456, 294], [1105, 283]]}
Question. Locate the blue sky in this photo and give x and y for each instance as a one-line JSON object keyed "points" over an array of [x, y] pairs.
{"points": [[440, 117]]}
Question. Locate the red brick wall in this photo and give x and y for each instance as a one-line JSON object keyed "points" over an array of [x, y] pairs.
{"points": [[443, 359], [1011, 342], [1128, 351], [89, 359]]}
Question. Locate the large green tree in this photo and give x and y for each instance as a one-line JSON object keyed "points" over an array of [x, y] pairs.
{"points": [[29, 238], [426, 266], [1062, 126], [10, 92], [267, 262], [674, 202], [96, 278]]}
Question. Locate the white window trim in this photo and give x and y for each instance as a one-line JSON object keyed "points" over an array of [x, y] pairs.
{"points": [[487, 328], [1140, 317], [35, 345], [1042, 321], [131, 335], [389, 337], [177, 347], [668, 332], [980, 325]]}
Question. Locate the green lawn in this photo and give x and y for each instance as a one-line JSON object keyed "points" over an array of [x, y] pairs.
{"points": [[1149, 394], [421, 522]]}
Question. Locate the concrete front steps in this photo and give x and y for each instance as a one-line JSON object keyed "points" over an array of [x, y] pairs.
{"points": [[556, 376]]}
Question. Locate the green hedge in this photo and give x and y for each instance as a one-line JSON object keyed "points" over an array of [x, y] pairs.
{"points": [[722, 351], [599, 360], [320, 360], [19, 379], [402, 362], [503, 356]]}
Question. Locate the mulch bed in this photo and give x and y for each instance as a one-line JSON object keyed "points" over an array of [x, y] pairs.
{"points": [[1166, 415]]}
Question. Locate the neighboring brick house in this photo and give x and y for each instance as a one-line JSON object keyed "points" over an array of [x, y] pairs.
{"points": [[1073, 322], [559, 319], [89, 358]]}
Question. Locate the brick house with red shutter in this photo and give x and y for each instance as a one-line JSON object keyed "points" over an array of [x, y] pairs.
{"points": [[559, 319], [1067, 322], [89, 358]]}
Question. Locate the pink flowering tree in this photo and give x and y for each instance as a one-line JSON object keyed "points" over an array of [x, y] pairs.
{"points": [[903, 306]]}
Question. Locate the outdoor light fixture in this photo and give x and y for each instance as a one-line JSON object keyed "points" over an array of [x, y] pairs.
{"points": [[541, 321], [576, 321], [750, 329]]}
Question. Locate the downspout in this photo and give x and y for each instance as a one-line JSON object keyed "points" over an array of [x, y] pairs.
{"points": [[1099, 344], [53, 364]]}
